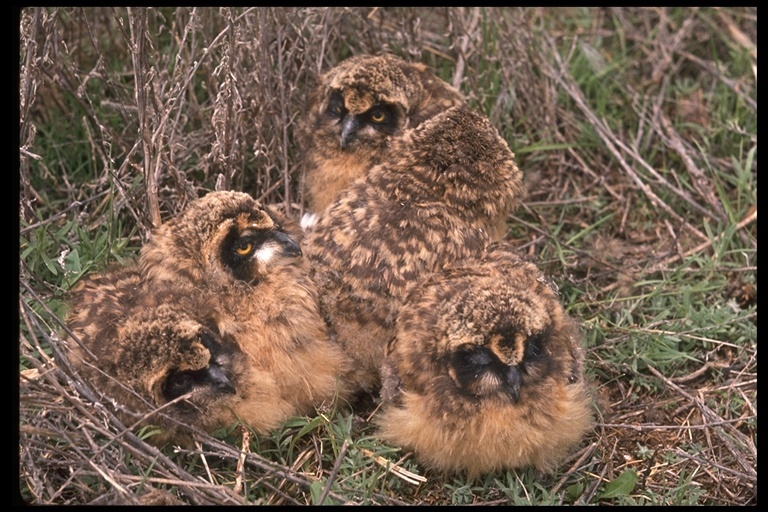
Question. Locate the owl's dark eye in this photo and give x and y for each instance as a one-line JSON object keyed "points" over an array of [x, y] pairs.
{"points": [[336, 105], [469, 362], [244, 247], [383, 117], [378, 115], [533, 347], [178, 383], [239, 250], [213, 379]]}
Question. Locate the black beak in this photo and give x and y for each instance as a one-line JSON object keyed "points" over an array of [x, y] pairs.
{"points": [[289, 245], [512, 380], [219, 379], [349, 127]]}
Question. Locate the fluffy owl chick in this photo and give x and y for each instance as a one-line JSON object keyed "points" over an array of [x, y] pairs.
{"points": [[354, 113], [485, 371], [146, 347], [246, 260], [444, 194]]}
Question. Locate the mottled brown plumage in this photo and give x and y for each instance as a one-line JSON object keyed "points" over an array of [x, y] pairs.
{"points": [[145, 347], [356, 111], [444, 194], [485, 370], [234, 266], [266, 299]]}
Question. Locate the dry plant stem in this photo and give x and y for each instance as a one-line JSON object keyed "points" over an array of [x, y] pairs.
{"points": [[302, 458], [334, 472], [660, 179], [285, 124], [751, 217], [673, 140], [175, 482], [581, 252], [586, 453], [472, 19], [589, 171], [147, 454], [736, 86], [590, 492], [712, 416], [271, 467], [650, 329], [707, 462], [226, 109], [152, 143], [739, 36], [178, 62], [649, 426], [395, 468], [142, 76], [29, 78], [61, 214], [562, 77], [244, 448], [90, 461], [205, 462], [666, 48]]}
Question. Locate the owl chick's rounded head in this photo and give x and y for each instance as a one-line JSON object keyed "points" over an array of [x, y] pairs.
{"points": [[224, 234], [366, 80], [357, 110], [485, 371], [165, 354], [492, 334]]}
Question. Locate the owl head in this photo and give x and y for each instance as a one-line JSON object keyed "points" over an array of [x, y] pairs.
{"points": [[369, 98], [221, 236], [493, 336], [355, 112], [165, 354], [485, 371], [180, 355], [164, 363]]}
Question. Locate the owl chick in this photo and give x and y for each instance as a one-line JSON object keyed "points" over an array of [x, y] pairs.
{"points": [[145, 347], [355, 112], [444, 194], [247, 259], [485, 370]]}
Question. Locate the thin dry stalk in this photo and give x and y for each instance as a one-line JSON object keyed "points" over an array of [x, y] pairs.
{"points": [[613, 143], [143, 78]]}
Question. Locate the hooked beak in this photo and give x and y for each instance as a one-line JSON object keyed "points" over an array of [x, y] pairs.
{"points": [[220, 380], [512, 382], [288, 244], [349, 127]]}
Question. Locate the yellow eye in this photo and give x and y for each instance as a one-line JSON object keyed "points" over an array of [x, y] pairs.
{"points": [[378, 116], [244, 248]]}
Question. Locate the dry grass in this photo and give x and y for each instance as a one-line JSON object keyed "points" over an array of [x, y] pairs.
{"points": [[633, 192]]}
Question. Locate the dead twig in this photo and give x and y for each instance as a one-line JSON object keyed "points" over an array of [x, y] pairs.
{"points": [[748, 219], [713, 417]]}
